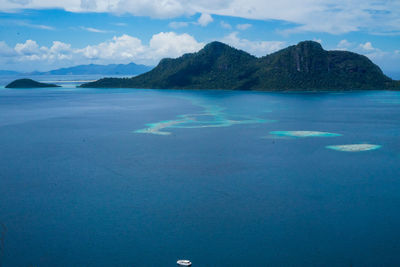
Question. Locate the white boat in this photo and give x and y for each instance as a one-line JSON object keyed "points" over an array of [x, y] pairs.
{"points": [[184, 263]]}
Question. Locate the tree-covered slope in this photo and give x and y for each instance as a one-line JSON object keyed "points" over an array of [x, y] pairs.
{"points": [[305, 66], [308, 66], [216, 66]]}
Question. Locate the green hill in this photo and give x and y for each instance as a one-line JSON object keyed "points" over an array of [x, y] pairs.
{"points": [[305, 66], [28, 83]]}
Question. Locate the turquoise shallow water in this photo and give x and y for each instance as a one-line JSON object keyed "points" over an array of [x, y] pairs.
{"points": [[145, 177]]}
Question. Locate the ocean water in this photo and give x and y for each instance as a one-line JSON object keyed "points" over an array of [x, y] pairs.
{"points": [[120, 177]]}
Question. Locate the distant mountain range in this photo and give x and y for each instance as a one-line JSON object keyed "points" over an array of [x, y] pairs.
{"points": [[305, 66], [9, 72], [111, 69], [394, 74]]}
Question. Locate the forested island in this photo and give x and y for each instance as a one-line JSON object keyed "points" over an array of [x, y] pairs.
{"points": [[29, 83], [305, 66]]}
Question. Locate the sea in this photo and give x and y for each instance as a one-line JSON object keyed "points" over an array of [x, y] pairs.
{"points": [[136, 177]]}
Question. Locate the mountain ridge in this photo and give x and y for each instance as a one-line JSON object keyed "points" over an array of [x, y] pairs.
{"points": [[305, 66], [109, 69]]}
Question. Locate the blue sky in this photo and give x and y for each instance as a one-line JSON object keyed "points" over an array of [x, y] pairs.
{"points": [[45, 34]]}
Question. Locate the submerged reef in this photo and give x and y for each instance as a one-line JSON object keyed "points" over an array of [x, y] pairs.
{"points": [[303, 134], [354, 147], [212, 116]]}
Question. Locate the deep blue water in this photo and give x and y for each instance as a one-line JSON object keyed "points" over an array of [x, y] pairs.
{"points": [[87, 179]]}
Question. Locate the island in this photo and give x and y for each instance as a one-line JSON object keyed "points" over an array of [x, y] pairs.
{"points": [[302, 67], [29, 83]]}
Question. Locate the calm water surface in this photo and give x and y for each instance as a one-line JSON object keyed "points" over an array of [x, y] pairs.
{"points": [[146, 177]]}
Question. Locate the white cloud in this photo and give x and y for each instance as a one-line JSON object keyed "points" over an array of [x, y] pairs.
{"points": [[60, 47], [205, 19], [31, 51], [43, 27], [151, 8], [170, 44], [119, 49], [243, 27], [258, 48], [29, 55], [5, 50], [387, 60], [344, 45], [88, 4], [121, 24], [38, 26], [367, 49], [178, 24], [226, 25], [318, 40], [126, 48], [21, 2], [90, 29], [30, 47], [25, 23], [58, 51], [373, 53], [367, 46], [336, 17]]}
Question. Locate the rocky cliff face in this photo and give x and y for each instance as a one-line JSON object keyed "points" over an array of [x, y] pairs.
{"points": [[307, 66]]}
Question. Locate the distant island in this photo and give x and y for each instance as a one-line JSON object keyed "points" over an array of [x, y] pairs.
{"points": [[111, 69], [28, 83], [305, 66]]}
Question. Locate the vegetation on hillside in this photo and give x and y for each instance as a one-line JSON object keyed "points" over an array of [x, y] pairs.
{"points": [[28, 83], [305, 66]]}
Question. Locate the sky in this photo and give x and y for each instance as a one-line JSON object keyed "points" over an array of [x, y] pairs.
{"points": [[48, 34]]}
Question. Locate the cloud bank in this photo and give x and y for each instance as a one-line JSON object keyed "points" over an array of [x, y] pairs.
{"points": [[387, 60], [373, 16], [257, 48], [120, 49], [29, 55]]}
